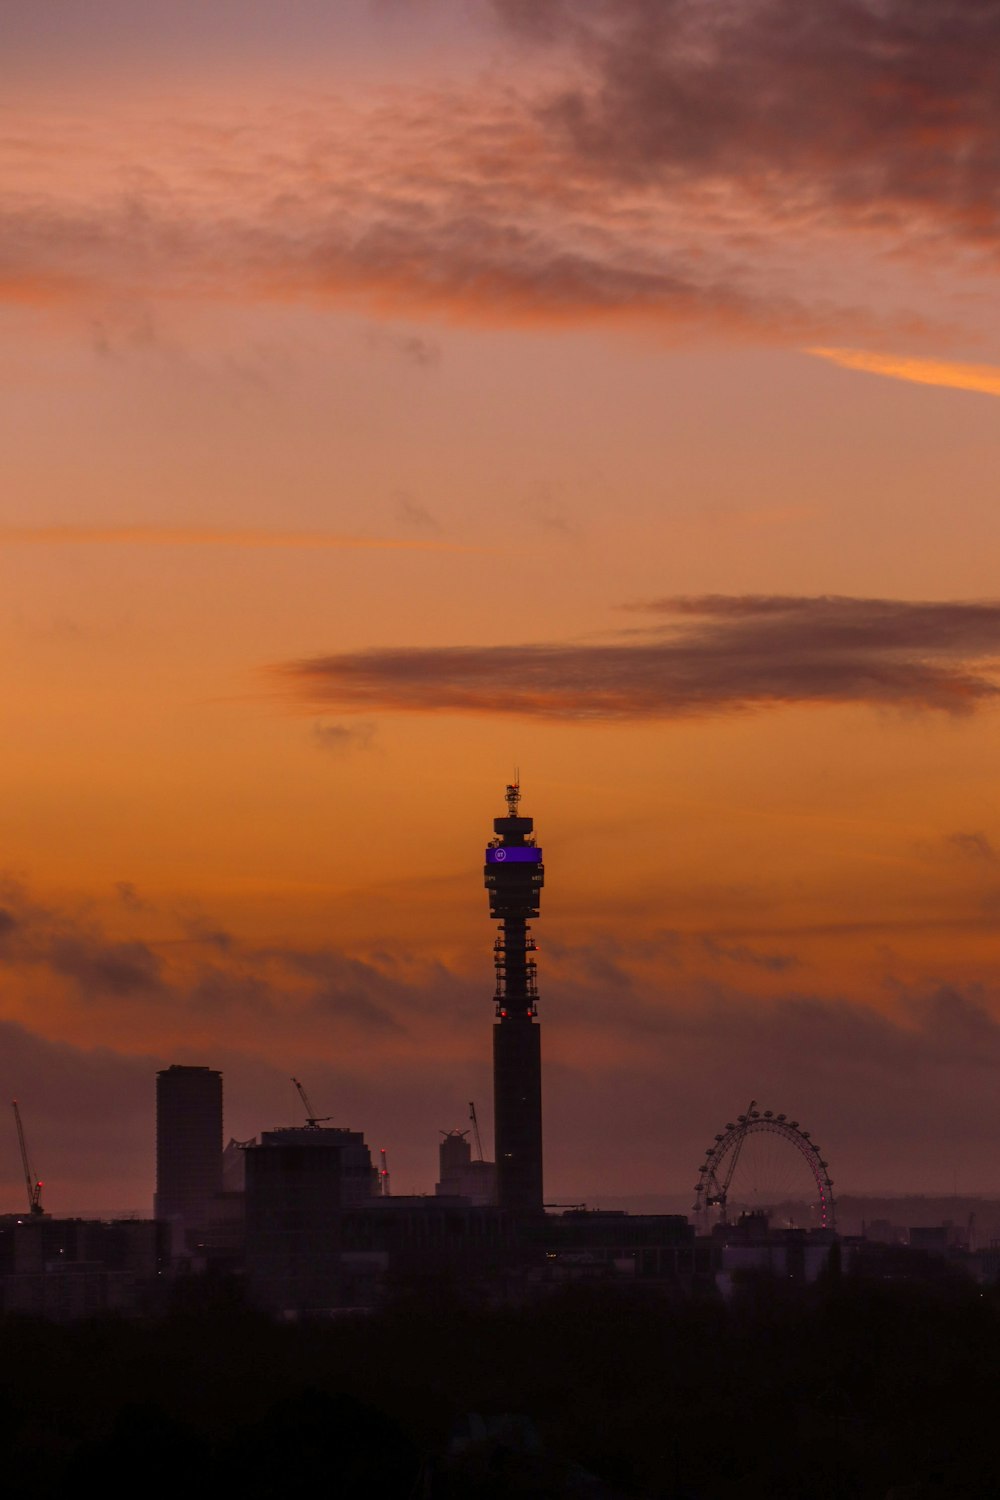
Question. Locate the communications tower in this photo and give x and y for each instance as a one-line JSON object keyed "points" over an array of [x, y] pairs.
{"points": [[514, 877]]}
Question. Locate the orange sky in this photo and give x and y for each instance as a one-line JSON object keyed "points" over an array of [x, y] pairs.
{"points": [[370, 372]]}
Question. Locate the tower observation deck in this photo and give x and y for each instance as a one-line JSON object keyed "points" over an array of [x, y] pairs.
{"points": [[514, 876]]}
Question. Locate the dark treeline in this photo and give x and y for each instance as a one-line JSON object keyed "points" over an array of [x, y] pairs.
{"points": [[854, 1389]]}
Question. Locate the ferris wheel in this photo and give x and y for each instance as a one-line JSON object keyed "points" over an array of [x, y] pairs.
{"points": [[760, 1161]]}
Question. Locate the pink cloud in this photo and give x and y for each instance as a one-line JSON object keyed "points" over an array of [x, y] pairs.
{"points": [[694, 171]]}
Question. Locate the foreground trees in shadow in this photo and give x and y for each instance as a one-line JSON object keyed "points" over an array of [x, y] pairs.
{"points": [[852, 1389]]}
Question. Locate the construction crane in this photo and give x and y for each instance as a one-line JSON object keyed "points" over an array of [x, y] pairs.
{"points": [[383, 1176], [720, 1197], [33, 1187], [313, 1120], [475, 1130]]}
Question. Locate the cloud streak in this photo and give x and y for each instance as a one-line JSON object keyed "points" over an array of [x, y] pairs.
{"points": [[983, 379], [209, 536], [715, 654]]}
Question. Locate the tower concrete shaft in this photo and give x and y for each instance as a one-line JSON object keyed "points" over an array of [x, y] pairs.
{"points": [[514, 876]]}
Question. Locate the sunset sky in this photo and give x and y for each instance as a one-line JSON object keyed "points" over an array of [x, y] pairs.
{"points": [[399, 392]]}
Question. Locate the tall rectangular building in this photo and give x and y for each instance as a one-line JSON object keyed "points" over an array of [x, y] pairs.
{"points": [[188, 1146]]}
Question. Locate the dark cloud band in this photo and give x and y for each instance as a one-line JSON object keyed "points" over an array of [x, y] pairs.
{"points": [[715, 654]]}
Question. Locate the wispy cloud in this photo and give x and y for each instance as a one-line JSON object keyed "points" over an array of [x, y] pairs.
{"points": [[340, 739], [457, 206], [682, 169], [202, 973], [716, 1006], [984, 379], [208, 536], [975, 846], [714, 654], [742, 953], [880, 113], [410, 512]]}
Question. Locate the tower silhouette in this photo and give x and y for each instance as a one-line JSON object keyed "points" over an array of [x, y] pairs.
{"points": [[514, 876]]}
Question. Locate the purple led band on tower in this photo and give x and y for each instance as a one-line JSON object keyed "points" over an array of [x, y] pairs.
{"points": [[518, 854]]}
